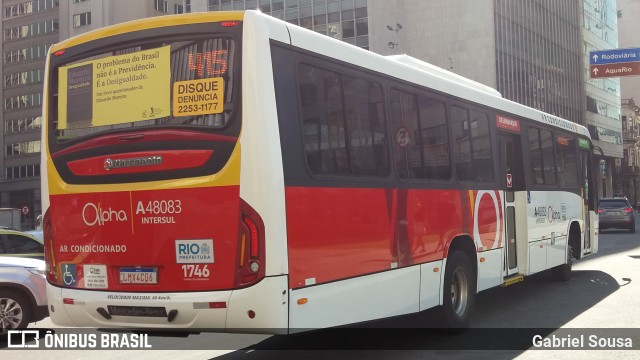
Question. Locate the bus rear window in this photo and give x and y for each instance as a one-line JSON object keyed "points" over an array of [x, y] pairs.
{"points": [[184, 82]]}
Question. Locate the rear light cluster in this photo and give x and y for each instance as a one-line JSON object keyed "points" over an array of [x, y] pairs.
{"points": [[51, 268], [628, 209], [251, 249]]}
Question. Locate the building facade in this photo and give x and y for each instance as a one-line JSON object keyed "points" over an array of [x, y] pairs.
{"points": [[533, 51], [627, 175], [29, 28], [602, 108]]}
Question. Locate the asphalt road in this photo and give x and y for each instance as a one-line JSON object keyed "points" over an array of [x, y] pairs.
{"points": [[601, 299]]}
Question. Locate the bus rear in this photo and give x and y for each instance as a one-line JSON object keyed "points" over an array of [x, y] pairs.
{"points": [[146, 225]]}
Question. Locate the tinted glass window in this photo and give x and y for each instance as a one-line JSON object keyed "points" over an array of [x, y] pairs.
{"points": [[566, 160], [548, 158], [610, 204], [343, 123], [471, 145], [542, 156], [421, 136], [535, 156], [18, 244], [461, 143], [481, 143], [187, 82]]}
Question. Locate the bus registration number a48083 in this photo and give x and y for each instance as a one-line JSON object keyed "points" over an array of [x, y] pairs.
{"points": [[138, 275]]}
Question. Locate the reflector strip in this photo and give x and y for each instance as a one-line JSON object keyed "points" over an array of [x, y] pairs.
{"points": [[210, 305], [242, 245], [218, 305]]}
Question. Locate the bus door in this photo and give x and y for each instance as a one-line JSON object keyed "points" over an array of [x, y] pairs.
{"points": [[588, 202], [511, 181]]}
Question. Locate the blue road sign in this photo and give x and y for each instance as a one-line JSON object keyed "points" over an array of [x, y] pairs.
{"points": [[614, 56]]}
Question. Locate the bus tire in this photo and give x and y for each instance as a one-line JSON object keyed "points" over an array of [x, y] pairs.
{"points": [[562, 273], [459, 292]]}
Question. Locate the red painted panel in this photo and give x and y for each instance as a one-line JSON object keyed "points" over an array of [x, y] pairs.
{"points": [[171, 160], [337, 233], [434, 216], [146, 136], [146, 229]]}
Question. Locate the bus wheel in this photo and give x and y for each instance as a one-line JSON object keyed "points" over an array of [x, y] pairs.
{"points": [[459, 292], [562, 273]]}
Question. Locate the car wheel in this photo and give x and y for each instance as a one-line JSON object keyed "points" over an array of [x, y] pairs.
{"points": [[15, 310], [632, 228]]}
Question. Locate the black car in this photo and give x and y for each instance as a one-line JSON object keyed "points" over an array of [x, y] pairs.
{"points": [[616, 213]]}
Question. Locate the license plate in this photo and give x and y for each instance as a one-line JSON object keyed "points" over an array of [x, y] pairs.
{"points": [[613, 213], [147, 311], [138, 276]]}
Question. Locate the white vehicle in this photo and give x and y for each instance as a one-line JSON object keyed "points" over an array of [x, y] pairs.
{"points": [[23, 297]]}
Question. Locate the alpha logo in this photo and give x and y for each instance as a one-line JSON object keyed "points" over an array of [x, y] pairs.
{"points": [[95, 215], [131, 162]]}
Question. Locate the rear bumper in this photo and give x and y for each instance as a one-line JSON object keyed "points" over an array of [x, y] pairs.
{"points": [[622, 223], [268, 300]]}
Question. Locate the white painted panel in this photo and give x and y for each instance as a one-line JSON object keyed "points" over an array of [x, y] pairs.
{"points": [[355, 300], [557, 252], [268, 300], [261, 174], [490, 270], [430, 284], [537, 257]]}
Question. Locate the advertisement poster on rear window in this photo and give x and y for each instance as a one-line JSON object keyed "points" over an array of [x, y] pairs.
{"points": [[115, 89]]}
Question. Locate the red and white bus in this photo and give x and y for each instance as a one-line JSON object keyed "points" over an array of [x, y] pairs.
{"points": [[234, 172]]}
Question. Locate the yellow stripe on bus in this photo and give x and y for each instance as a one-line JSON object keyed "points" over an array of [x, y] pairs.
{"points": [[149, 23]]}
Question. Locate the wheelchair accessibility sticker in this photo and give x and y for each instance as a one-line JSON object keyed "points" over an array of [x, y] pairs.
{"points": [[69, 275]]}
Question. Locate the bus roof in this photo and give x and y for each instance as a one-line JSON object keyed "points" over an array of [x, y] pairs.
{"points": [[417, 72], [148, 23]]}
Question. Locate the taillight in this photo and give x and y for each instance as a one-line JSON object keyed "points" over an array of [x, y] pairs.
{"points": [[628, 209], [251, 247], [599, 211], [49, 250], [229, 23]]}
